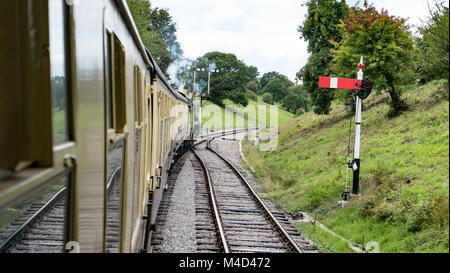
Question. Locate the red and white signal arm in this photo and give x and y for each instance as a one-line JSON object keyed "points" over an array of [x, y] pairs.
{"points": [[340, 83]]}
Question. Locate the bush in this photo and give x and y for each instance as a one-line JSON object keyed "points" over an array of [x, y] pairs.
{"points": [[367, 205], [252, 95], [418, 216], [296, 99], [267, 98], [254, 86]]}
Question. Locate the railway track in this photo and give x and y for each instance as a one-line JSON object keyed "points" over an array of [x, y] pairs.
{"points": [[230, 217], [40, 229], [205, 138], [113, 211], [166, 201]]}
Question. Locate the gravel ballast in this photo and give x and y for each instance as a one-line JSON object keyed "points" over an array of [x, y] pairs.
{"points": [[179, 230]]}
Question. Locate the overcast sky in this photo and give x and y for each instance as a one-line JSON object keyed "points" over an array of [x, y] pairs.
{"points": [[262, 33]]}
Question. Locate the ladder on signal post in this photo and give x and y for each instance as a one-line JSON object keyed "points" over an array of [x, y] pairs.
{"points": [[363, 87]]}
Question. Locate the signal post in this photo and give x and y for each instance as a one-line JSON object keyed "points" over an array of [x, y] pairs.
{"points": [[364, 87]]}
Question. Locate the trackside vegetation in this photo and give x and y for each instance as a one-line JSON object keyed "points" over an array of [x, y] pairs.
{"points": [[404, 205], [224, 117]]}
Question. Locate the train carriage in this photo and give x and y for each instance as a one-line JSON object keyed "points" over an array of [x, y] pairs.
{"points": [[89, 128]]}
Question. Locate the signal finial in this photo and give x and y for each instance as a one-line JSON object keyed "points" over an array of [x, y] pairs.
{"points": [[361, 64]]}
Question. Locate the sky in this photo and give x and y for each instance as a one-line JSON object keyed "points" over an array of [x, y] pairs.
{"points": [[262, 33]]}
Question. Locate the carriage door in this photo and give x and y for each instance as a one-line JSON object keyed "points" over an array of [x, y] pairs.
{"points": [[116, 137]]}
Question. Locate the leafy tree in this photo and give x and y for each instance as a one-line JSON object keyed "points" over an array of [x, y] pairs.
{"points": [[297, 98], [318, 65], [157, 31], [253, 73], [321, 30], [162, 24], [386, 45], [433, 47], [278, 87], [267, 77], [267, 98], [228, 83], [237, 71]]}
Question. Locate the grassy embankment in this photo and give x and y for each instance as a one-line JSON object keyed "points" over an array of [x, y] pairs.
{"points": [[215, 117], [404, 205]]}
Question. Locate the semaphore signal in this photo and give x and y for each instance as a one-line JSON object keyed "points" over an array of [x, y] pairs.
{"points": [[364, 87], [339, 83]]}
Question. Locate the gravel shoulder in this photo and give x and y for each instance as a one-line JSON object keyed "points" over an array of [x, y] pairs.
{"points": [[179, 229]]}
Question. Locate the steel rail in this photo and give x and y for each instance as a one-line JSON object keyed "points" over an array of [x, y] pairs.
{"points": [[212, 198], [265, 209], [223, 133], [220, 134], [112, 177], [6, 244]]}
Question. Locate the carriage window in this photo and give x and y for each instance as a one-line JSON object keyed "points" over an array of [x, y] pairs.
{"points": [[108, 81], [165, 141], [119, 85], [161, 124], [114, 179], [58, 71], [138, 95], [116, 119]]}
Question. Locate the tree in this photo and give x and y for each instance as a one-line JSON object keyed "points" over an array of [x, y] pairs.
{"points": [[386, 45], [433, 47], [157, 31], [278, 87], [253, 73], [297, 98], [161, 23], [321, 30], [267, 77], [267, 98], [228, 83]]}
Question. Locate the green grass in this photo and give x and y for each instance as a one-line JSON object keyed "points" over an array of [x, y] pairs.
{"points": [[404, 171], [215, 117]]}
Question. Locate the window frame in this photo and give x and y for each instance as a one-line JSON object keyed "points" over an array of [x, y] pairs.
{"points": [[47, 160]]}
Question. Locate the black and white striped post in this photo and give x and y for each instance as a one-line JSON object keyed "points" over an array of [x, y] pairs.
{"points": [[356, 159]]}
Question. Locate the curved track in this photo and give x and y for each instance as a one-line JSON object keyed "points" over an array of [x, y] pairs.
{"points": [[240, 221]]}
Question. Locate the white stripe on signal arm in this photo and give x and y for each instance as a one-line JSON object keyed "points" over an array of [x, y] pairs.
{"points": [[334, 83]]}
